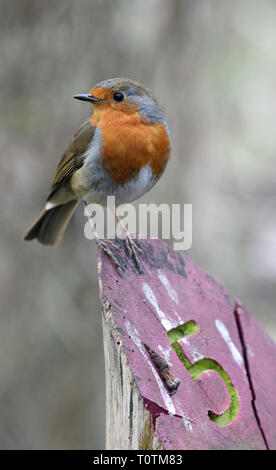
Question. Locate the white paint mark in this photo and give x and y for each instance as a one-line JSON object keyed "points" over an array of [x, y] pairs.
{"points": [[165, 281], [233, 349], [152, 299], [250, 351], [166, 353], [187, 424], [196, 355], [193, 351], [178, 317], [135, 338]]}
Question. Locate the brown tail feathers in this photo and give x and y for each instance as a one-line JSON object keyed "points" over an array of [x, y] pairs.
{"points": [[51, 224]]}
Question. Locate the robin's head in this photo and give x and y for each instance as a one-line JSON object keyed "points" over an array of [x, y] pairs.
{"points": [[126, 96]]}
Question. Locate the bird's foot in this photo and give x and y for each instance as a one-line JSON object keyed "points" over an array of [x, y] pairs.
{"points": [[133, 250], [106, 245]]}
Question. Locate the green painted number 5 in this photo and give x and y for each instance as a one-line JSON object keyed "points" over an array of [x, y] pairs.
{"points": [[196, 369]]}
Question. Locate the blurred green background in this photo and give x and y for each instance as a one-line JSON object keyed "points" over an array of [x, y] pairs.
{"points": [[212, 64]]}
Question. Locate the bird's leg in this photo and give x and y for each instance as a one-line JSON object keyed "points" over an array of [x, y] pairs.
{"points": [[132, 248], [104, 244]]}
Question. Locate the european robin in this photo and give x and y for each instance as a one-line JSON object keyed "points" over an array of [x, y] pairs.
{"points": [[121, 151]]}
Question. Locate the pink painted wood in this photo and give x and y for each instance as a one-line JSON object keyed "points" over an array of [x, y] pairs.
{"points": [[260, 355], [172, 291]]}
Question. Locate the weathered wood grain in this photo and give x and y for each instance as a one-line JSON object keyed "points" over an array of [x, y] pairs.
{"points": [[141, 309]]}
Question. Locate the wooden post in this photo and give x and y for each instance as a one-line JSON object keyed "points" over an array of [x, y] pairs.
{"points": [[184, 368]]}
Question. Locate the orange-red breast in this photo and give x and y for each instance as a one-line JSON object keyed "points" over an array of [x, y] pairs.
{"points": [[121, 151]]}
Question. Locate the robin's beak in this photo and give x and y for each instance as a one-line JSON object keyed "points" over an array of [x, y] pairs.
{"points": [[90, 98]]}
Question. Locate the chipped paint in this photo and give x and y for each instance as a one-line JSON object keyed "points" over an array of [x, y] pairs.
{"points": [[193, 351], [171, 291], [166, 353], [250, 351], [178, 317], [233, 349], [187, 424], [135, 338], [152, 299]]}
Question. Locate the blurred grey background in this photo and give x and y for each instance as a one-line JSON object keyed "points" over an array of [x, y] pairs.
{"points": [[212, 63]]}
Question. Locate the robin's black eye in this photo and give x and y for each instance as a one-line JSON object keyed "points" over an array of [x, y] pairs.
{"points": [[118, 96]]}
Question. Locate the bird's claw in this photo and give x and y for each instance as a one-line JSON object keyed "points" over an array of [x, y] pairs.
{"points": [[133, 249], [105, 245]]}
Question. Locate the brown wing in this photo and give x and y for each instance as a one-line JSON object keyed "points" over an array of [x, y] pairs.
{"points": [[72, 159]]}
